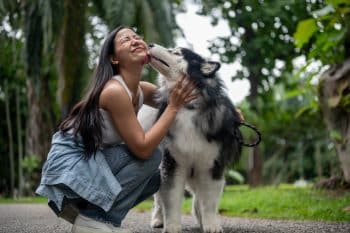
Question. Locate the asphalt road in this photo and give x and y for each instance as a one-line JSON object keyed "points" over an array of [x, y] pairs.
{"points": [[38, 218]]}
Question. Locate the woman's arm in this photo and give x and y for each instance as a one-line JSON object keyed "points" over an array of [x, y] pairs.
{"points": [[149, 89], [116, 101]]}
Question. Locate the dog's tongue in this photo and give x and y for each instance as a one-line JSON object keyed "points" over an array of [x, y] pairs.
{"points": [[146, 59]]}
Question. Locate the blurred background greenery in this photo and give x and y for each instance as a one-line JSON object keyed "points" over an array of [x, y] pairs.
{"points": [[48, 51]]}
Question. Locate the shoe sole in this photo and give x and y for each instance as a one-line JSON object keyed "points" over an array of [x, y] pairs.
{"points": [[81, 229]]}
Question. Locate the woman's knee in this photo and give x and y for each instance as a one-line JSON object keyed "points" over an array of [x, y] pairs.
{"points": [[154, 160]]}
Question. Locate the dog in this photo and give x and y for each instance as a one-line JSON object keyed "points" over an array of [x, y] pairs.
{"points": [[203, 140]]}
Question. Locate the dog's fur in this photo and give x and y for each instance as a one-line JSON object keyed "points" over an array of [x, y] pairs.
{"points": [[202, 141]]}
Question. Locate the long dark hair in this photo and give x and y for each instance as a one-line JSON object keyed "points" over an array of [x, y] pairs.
{"points": [[85, 118]]}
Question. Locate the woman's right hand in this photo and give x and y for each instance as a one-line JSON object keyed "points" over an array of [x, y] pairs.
{"points": [[182, 93]]}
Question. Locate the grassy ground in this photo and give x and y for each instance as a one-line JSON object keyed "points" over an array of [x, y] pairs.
{"points": [[282, 202]]}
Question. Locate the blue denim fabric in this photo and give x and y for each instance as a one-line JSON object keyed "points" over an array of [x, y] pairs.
{"points": [[139, 179], [112, 181]]}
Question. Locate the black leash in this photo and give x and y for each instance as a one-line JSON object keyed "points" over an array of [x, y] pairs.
{"points": [[255, 130]]}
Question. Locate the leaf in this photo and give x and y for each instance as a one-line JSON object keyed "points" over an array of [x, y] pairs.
{"points": [[236, 176], [324, 11], [305, 30], [293, 93], [338, 2], [336, 135], [302, 110]]}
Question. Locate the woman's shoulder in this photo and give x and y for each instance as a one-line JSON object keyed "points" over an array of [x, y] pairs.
{"points": [[113, 91]]}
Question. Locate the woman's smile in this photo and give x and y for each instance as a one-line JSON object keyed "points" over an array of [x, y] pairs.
{"points": [[138, 49]]}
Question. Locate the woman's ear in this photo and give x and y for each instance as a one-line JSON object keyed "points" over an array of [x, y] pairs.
{"points": [[113, 60]]}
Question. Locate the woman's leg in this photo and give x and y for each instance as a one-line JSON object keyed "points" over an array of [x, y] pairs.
{"points": [[151, 188], [139, 179]]}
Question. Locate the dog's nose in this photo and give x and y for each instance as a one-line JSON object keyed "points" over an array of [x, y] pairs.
{"points": [[150, 45]]}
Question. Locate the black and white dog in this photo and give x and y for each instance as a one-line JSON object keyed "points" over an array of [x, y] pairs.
{"points": [[201, 142]]}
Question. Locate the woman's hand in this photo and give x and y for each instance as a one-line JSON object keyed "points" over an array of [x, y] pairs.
{"points": [[240, 114], [182, 93]]}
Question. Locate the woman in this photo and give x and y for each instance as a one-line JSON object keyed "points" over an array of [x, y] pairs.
{"points": [[101, 162]]}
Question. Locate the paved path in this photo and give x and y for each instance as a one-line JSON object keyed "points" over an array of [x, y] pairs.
{"points": [[38, 218]]}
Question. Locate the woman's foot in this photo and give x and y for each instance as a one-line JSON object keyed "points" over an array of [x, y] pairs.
{"points": [[84, 224]]}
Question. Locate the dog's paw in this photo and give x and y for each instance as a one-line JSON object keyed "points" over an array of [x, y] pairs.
{"points": [[212, 228], [157, 223], [172, 229]]}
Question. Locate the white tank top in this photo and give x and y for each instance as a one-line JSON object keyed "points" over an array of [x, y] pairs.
{"points": [[110, 135]]}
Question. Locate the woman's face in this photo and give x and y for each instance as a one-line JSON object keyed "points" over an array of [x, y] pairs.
{"points": [[129, 48]]}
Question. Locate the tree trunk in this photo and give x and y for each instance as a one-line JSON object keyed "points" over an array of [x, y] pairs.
{"points": [[20, 144], [10, 135], [37, 131], [334, 93], [71, 55], [255, 167], [318, 160], [255, 161]]}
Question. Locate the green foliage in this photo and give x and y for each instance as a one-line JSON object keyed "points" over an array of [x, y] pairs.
{"points": [[30, 164], [305, 31], [326, 32], [264, 30], [290, 121], [335, 135], [11, 72], [283, 100]]}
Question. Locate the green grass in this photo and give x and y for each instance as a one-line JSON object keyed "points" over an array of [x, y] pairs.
{"points": [[282, 202], [23, 200]]}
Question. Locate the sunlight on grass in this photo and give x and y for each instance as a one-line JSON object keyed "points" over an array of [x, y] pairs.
{"points": [[282, 202]]}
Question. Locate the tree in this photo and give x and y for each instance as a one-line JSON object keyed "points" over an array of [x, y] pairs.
{"points": [[52, 29], [72, 55], [261, 39], [39, 124], [327, 38], [11, 140], [12, 80]]}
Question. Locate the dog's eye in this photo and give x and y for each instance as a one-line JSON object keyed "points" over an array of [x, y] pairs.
{"points": [[177, 53]]}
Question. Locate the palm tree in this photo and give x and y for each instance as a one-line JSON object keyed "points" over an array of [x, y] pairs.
{"points": [[57, 29]]}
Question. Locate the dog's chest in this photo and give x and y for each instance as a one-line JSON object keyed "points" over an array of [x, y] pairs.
{"points": [[188, 145]]}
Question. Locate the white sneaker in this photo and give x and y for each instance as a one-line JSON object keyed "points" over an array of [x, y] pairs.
{"points": [[84, 224]]}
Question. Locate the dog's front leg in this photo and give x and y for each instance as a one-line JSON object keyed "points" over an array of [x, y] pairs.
{"points": [[206, 200], [171, 192], [157, 214]]}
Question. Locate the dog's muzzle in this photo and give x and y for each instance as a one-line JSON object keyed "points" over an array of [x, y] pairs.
{"points": [[160, 60]]}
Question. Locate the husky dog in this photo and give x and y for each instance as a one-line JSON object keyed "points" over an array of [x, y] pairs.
{"points": [[202, 141]]}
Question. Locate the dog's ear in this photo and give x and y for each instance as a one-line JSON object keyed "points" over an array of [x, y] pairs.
{"points": [[209, 67]]}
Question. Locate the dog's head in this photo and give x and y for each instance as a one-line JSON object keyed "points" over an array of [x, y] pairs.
{"points": [[174, 63]]}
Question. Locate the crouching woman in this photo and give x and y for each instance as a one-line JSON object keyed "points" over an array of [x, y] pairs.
{"points": [[101, 162]]}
